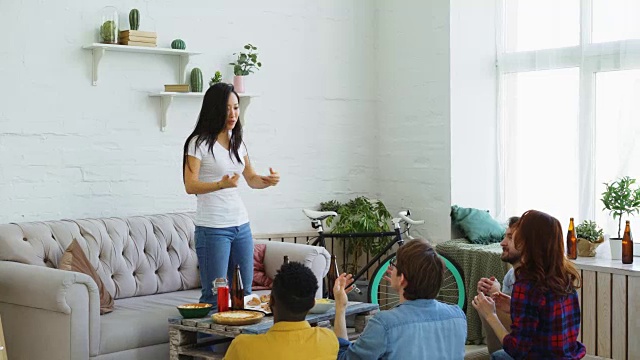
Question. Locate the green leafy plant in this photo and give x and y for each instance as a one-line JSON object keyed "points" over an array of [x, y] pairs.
{"points": [[359, 215], [216, 78], [247, 62], [620, 198], [589, 231]]}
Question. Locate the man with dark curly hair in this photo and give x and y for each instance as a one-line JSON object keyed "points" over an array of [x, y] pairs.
{"points": [[291, 337]]}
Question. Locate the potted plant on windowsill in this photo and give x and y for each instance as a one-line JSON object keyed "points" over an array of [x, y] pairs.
{"points": [[589, 238], [244, 65], [620, 197], [359, 215]]}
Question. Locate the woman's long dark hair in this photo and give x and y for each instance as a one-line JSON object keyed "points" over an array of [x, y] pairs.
{"points": [[539, 238], [211, 122]]}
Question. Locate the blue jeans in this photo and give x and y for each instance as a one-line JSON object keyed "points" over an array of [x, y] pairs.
{"points": [[219, 250], [501, 355]]}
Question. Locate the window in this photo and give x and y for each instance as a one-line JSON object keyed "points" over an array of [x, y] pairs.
{"points": [[569, 105]]}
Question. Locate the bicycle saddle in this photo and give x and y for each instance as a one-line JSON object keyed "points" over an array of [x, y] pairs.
{"points": [[319, 215]]}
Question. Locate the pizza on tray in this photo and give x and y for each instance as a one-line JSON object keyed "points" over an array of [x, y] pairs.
{"points": [[237, 317]]}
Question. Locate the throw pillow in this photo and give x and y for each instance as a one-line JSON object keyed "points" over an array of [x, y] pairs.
{"points": [[477, 225], [74, 259], [260, 279]]}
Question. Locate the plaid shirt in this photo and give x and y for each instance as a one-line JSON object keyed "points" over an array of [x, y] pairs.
{"points": [[544, 325]]}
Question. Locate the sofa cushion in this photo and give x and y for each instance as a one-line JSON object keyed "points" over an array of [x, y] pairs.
{"points": [[141, 321], [134, 256], [260, 279], [477, 225], [74, 259]]}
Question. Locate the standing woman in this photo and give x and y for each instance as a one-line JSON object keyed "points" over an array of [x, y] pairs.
{"points": [[214, 156], [545, 313]]}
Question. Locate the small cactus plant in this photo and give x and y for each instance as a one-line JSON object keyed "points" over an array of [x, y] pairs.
{"points": [[109, 32], [134, 19], [178, 44], [196, 80]]}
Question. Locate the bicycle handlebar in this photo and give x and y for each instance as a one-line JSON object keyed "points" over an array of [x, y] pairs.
{"points": [[404, 215]]}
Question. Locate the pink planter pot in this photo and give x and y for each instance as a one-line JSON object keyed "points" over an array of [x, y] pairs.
{"points": [[238, 83]]}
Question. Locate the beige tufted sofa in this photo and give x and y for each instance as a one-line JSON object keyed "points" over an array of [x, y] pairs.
{"points": [[147, 263]]}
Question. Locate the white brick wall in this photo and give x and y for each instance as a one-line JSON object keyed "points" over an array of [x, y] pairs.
{"points": [[474, 165], [413, 116], [343, 111]]}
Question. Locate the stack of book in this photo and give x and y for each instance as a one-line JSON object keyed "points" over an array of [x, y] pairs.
{"points": [[177, 88], [138, 38]]}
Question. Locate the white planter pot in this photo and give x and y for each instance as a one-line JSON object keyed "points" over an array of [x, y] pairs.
{"points": [[616, 248]]}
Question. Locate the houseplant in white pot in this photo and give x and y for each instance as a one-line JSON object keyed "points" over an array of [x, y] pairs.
{"points": [[620, 197], [245, 64], [589, 238]]}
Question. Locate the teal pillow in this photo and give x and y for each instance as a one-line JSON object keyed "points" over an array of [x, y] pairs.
{"points": [[477, 225]]}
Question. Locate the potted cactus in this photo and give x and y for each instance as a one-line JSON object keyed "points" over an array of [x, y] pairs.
{"points": [[589, 238]]}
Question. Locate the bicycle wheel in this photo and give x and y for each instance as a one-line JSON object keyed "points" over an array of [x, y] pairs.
{"points": [[452, 290]]}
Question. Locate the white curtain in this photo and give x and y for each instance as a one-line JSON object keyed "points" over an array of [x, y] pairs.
{"points": [[568, 105]]}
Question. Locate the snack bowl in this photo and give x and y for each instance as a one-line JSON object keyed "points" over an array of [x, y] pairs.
{"points": [[192, 311], [322, 306]]}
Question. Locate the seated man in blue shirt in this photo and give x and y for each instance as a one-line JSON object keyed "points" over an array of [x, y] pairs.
{"points": [[420, 327]]}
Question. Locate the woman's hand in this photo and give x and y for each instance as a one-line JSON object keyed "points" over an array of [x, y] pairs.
{"points": [[502, 301], [484, 305], [229, 182], [272, 179]]}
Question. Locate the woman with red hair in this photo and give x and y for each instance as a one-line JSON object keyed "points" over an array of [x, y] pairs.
{"points": [[544, 307]]}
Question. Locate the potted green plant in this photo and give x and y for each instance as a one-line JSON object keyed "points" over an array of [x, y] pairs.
{"points": [[245, 64], [620, 197], [359, 215], [216, 78], [589, 238]]}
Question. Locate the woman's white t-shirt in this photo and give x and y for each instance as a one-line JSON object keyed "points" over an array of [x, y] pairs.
{"points": [[221, 208]]}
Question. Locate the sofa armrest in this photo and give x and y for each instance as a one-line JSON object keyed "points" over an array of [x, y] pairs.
{"points": [[40, 290], [314, 257]]}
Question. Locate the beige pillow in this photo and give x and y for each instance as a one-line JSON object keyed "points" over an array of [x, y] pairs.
{"points": [[74, 259]]}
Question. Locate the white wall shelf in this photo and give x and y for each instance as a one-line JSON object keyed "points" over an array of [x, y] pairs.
{"points": [[99, 50], [167, 97]]}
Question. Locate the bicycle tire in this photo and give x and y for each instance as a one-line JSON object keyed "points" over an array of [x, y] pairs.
{"points": [[452, 290]]}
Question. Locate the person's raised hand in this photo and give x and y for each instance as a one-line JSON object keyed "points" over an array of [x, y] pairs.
{"points": [[340, 291], [484, 305], [229, 181], [272, 179], [502, 301], [488, 286]]}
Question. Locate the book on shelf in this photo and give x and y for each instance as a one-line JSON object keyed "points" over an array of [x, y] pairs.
{"points": [[137, 43], [138, 39], [147, 34], [176, 88]]}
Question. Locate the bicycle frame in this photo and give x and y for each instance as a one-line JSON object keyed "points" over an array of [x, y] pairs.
{"points": [[397, 239]]}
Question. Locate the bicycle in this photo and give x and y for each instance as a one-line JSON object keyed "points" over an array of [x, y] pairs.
{"points": [[452, 290]]}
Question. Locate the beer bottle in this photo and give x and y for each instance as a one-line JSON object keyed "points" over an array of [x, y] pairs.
{"points": [[627, 245], [286, 260], [572, 241], [332, 275], [237, 291]]}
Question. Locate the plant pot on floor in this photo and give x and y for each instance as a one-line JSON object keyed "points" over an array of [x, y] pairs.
{"points": [[587, 248]]}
